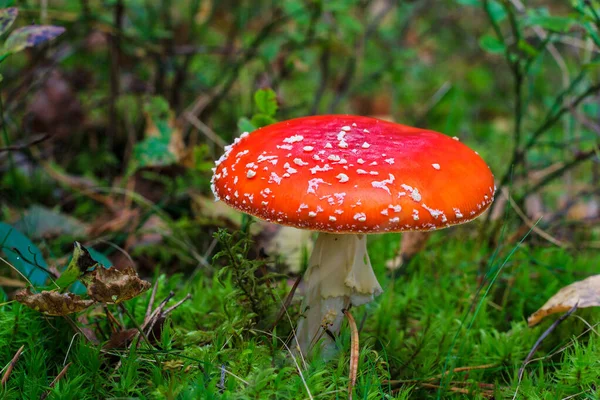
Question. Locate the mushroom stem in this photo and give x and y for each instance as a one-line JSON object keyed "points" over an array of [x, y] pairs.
{"points": [[339, 274]]}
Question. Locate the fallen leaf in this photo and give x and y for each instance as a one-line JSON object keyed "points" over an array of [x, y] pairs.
{"points": [[163, 144], [13, 244], [52, 302], [80, 263], [113, 286], [31, 36], [120, 339], [117, 221], [41, 222], [7, 17], [585, 293]]}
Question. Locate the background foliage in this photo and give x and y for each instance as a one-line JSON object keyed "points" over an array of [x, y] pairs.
{"points": [[114, 110]]}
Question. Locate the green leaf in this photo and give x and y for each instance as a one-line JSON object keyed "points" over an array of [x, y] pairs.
{"points": [[11, 238], [7, 17], [527, 48], [490, 44], [81, 261], [99, 258], [591, 30], [260, 120], [266, 101], [244, 125], [592, 65], [30, 36], [154, 151], [157, 107], [41, 222], [158, 148], [551, 23], [497, 11]]}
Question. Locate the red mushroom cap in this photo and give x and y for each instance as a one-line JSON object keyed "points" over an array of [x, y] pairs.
{"points": [[351, 174]]}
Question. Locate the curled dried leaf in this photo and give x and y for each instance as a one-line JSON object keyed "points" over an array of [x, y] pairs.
{"points": [[585, 293], [53, 302], [113, 286]]}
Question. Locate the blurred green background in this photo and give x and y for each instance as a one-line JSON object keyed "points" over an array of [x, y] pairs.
{"points": [[110, 129]]}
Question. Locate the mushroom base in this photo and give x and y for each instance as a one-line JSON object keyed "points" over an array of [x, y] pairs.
{"points": [[339, 274]]}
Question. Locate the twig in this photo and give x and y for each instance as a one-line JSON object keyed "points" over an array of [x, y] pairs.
{"points": [[69, 348], [151, 302], [439, 376], [354, 352], [60, 375], [148, 325], [27, 145], [550, 120], [539, 342], [202, 127], [560, 171], [174, 306], [485, 393], [286, 303], [531, 224], [249, 54], [140, 330], [10, 366]]}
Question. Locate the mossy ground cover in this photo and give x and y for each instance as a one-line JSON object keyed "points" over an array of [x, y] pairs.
{"points": [[114, 113], [436, 316]]}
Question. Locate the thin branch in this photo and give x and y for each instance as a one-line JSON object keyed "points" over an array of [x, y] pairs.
{"points": [[22, 147], [10, 366], [539, 342], [60, 375], [559, 172]]}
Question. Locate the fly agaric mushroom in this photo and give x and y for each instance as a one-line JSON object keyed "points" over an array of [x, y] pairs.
{"points": [[347, 176]]}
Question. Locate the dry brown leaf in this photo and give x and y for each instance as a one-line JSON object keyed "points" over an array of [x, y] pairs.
{"points": [[584, 210], [113, 286], [585, 293], [120, 339], [52, 302], [115, 222]]}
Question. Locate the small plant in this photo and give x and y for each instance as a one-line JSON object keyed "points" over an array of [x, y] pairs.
{"points": [[251, 279], [104, 286], [266, 104], [24, 37]]}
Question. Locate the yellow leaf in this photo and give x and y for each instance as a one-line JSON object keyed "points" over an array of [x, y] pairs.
{"points": [[585, 293]]}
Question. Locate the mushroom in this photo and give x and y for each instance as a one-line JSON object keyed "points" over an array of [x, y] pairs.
{"points": [[348, 176]]}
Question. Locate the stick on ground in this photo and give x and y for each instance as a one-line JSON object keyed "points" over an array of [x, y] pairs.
{"points": [[353, 353], [11, 365]]}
